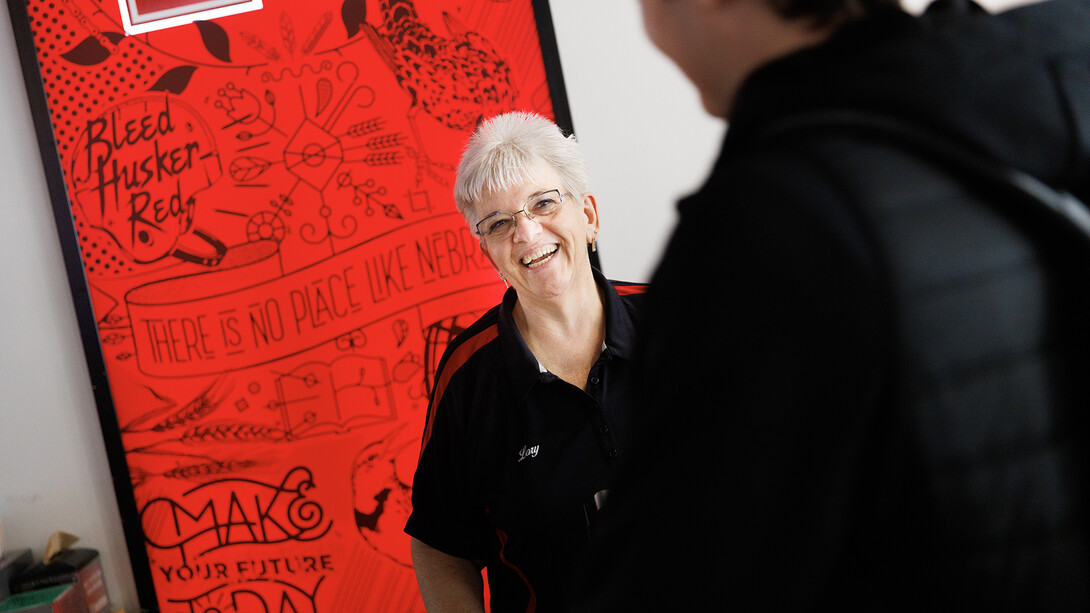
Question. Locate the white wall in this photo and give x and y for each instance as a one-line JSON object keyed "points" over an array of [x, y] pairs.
{"points": [[645, 134], [53, 472], [646, 142]]}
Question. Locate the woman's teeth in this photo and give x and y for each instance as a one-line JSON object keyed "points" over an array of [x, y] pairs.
{"points": [[539, 257]]}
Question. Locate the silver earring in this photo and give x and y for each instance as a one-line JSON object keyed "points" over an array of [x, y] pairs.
{"points": [[504, 279]]}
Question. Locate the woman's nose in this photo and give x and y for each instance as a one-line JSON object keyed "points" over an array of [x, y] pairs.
{"points": [[525, 226]]}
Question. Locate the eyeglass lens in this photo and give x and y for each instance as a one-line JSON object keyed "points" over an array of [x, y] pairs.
{"points": [[498, 225]]}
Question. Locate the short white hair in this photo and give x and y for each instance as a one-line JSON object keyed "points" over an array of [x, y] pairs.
{"points": [[506, 150]]}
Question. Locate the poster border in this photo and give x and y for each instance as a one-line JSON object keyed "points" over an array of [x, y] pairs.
{"points": [[81, 296], [69, 244]]}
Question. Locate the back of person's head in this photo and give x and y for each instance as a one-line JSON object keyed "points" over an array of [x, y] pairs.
{"points": [[829, 12], [505, 152]]}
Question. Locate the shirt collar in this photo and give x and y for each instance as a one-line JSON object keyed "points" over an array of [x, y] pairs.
{"points": [[521, 364]]}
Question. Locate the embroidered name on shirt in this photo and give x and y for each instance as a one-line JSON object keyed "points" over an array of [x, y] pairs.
{"points": [[528, 452]]}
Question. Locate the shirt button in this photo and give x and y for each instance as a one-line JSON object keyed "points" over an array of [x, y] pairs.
{"points": [[594, 380], [603, 429], [613, 453]]}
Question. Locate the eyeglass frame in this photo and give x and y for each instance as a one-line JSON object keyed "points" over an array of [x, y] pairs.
{"points": [[512, 216]]}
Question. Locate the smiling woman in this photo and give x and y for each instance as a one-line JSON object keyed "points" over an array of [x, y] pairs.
{"points": [[531, 409], [544, 257]]}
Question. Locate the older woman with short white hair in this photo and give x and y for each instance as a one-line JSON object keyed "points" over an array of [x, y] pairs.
{"points": [[530, 411]]}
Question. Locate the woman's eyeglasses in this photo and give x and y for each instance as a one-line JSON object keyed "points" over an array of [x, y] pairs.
{"points": [[500, 225]]}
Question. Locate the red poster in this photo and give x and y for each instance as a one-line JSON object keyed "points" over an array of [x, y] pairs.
{"points": [[259, 220]]}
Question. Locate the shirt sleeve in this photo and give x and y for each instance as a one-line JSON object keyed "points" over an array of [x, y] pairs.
{"points": [[447, 513]]}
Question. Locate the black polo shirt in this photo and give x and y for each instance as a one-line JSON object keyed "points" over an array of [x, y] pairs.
{"points": [[512, 457]]}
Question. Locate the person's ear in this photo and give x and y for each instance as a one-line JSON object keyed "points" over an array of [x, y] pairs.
{"points": [[590, 211]]}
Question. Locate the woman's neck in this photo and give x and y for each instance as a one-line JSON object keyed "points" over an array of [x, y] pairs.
{"points": [[565, 335]]}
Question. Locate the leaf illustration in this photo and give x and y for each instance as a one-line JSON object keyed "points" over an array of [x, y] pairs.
{"points": [[174, 80], [391, 211], [248, 168], [259, 45], [325, 94], [354, 14], [90, 51], [215, 40], [287, 32], [316, 33]]}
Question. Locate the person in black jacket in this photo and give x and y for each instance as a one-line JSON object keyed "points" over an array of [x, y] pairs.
{"points": [[885, 407]]}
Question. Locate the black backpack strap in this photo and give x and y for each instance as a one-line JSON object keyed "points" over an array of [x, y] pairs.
{"points": [[1028, 191]]}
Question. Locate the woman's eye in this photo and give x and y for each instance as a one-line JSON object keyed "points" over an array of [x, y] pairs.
{"points": [[498, 225], [545, 204]]}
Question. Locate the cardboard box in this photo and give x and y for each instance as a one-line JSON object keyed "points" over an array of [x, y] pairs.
{"points": [[57, 599], [77, 565], [11, 564]]}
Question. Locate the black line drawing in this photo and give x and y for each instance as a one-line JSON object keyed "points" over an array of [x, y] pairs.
{"points": [[458, 78]]}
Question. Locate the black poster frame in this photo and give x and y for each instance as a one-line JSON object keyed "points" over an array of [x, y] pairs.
{"points": [[79, 286]]}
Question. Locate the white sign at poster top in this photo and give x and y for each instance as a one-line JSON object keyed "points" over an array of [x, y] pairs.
{"points": [[141, 16]]}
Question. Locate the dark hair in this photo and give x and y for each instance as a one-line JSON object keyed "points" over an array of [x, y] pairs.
{"points": [[829, 12]]}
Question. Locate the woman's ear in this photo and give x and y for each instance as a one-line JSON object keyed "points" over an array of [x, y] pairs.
{"points": [[590, 211]]}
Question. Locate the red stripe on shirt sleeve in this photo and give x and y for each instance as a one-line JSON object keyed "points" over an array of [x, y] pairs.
{"points": [[456, 360]]}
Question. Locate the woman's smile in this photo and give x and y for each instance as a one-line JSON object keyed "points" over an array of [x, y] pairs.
{"points": [[539, 256]]}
